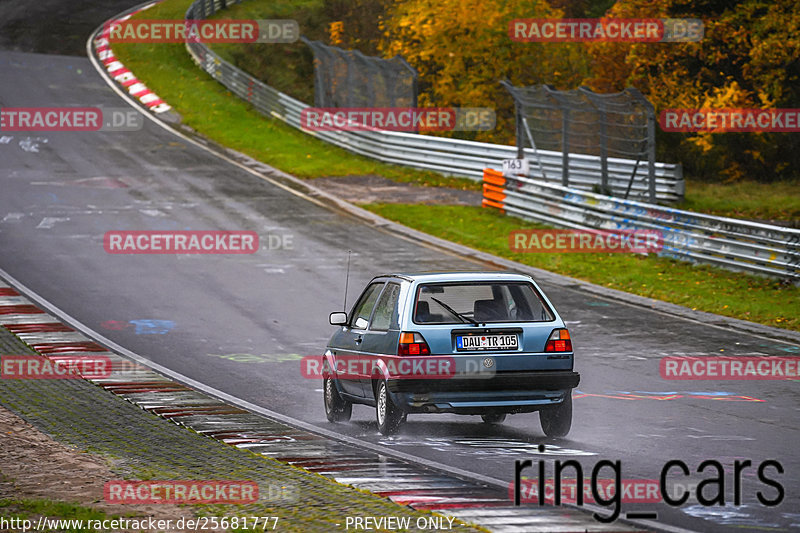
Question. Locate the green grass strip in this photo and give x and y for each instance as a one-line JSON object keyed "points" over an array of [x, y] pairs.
{"points": [[17, 511], [761, 201]]}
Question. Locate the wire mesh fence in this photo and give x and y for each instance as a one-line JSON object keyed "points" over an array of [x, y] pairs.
{"points": [[579, 121], [348, 78]]}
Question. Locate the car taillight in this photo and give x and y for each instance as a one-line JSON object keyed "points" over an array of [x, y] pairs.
{"points": [[559, 341], [412, 344]]}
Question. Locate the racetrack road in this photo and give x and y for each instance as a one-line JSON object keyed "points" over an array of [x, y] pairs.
{"points": [[240, 323]]}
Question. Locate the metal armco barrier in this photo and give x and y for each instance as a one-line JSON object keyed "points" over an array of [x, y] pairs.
{"points": [[448, 156], [726, 242]]}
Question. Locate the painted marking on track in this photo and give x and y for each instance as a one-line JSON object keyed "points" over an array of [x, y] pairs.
{"points": [[483, 447], [666, 396], [115, 325], [256, 358], [783, 347], [13, 217], [721, 437], [147, 326], [49, 222], [99, 182], [152, 212], [31, 144], [743, 516], [144, 326]]}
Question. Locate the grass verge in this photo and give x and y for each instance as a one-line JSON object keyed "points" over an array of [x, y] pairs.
{"points": [[775, 201], [210, 109], [25, 513], [701, 287]]}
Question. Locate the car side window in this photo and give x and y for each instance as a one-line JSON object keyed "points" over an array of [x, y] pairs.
{"points": [[385, 316], [363, 309]]}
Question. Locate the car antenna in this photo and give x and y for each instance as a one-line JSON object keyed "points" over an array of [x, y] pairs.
{"points": [[346, 281]]}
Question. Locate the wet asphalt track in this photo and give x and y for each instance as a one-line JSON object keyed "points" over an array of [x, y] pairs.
{"points": [[240, 323]]}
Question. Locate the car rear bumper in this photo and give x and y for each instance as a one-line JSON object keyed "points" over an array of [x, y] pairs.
{"points": [[541, 380], [507, 392]]}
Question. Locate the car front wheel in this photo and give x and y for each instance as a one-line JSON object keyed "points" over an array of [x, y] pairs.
{"points": [[557, 420], [388, 415], [337, 409]]}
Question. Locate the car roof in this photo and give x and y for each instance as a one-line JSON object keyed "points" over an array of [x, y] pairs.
{"points": [[444, 276]]}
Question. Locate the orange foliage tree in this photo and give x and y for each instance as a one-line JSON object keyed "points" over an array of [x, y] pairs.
{"points": [[462, 50], [748, 58]]}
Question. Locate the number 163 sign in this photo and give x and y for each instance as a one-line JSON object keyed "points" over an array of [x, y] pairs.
{"points": [[514, 167]]}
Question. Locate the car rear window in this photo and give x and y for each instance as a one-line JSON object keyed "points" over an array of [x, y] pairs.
{"points": [[483, 302]]}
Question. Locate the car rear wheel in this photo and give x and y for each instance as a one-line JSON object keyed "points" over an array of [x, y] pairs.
{"points": [[337, 409], [493, 418], [388, 415], [557, 420]]}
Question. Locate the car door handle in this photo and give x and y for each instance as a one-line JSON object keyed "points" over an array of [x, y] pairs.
{"points": [[359, 339]]}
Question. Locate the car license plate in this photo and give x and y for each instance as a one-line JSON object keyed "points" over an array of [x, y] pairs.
{"points": [[486, 342]]}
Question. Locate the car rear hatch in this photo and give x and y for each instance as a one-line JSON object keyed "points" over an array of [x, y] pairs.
{"points": [[490, 327], [510, 348]]}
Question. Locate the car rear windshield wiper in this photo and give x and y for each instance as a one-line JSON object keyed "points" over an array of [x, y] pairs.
{"points": [[453, 311]]}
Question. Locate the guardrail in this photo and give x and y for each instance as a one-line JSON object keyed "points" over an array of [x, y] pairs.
{"points": [[448, 156], [727, 242]]}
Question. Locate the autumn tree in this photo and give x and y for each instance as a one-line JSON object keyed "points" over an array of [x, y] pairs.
{"points": [[355, 23], [748, 58], [462, 50]]}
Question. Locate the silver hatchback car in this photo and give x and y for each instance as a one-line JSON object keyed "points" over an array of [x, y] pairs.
{"points": [[475, 343]]}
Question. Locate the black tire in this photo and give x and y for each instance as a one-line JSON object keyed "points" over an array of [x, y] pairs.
{"points": [[557, 420], [337, 409], [387, 414], [493, 418]]}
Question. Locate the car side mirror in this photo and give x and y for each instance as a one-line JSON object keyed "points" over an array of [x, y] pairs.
{"points": [[338, 319]]}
